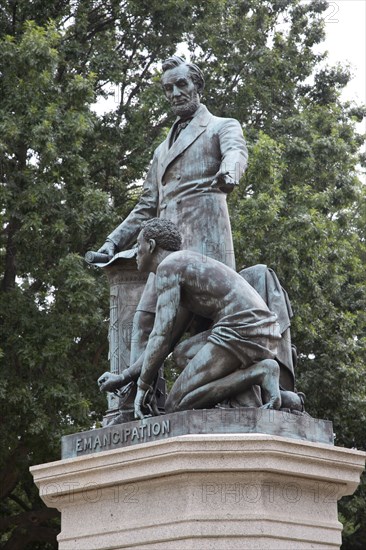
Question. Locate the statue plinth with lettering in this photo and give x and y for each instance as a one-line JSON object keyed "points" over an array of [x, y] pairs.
{"points": [[216, 491]]}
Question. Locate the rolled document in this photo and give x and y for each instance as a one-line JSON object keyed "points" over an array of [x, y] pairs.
{"points": [[96, 257]]}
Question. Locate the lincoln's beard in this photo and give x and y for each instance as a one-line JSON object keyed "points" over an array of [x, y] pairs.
{"points": [[187, 109]]}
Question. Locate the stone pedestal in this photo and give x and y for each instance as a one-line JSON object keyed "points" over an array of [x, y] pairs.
{"points": [[126, 287], [207, 491]]}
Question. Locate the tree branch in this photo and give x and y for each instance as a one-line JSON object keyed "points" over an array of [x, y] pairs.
{"points": [[8, 281], [20, 502], [10, 473], [21, 538], [28, 519]]}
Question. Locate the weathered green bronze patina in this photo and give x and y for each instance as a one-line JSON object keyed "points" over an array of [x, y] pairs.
{"points": [[193, 170], [239, 350]]}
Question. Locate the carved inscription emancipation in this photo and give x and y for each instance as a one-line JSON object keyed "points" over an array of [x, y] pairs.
{"points": [[120, 435]]}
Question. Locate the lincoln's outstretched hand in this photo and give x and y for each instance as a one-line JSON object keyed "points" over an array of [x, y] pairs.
{"points": [[224, 182]]}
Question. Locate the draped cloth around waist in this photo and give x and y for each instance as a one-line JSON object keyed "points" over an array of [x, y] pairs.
{"points": [[250, 335]]}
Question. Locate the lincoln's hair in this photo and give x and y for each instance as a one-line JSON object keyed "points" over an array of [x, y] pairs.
{"points": [[194, 71], [165, 234]]}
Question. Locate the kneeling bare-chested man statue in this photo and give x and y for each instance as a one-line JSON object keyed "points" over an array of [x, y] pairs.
{"points": [[240, 348]]}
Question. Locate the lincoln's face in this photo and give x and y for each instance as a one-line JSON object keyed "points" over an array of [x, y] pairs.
{"points": [[181, 91], [144, 255]]}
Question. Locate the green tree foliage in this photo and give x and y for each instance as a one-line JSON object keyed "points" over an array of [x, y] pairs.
{"points": [[52, 309], [69, 175]]}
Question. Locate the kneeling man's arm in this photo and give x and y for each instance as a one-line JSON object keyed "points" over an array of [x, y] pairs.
{"points": [[158, 347]]}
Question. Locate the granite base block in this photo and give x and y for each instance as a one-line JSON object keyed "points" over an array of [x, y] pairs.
{"points": [[246, 491]]}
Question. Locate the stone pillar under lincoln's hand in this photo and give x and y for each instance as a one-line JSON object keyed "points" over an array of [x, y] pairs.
{"points": [[126, 286]]}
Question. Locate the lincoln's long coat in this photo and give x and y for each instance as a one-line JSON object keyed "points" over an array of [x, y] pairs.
{"points": [[178, 186]]}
